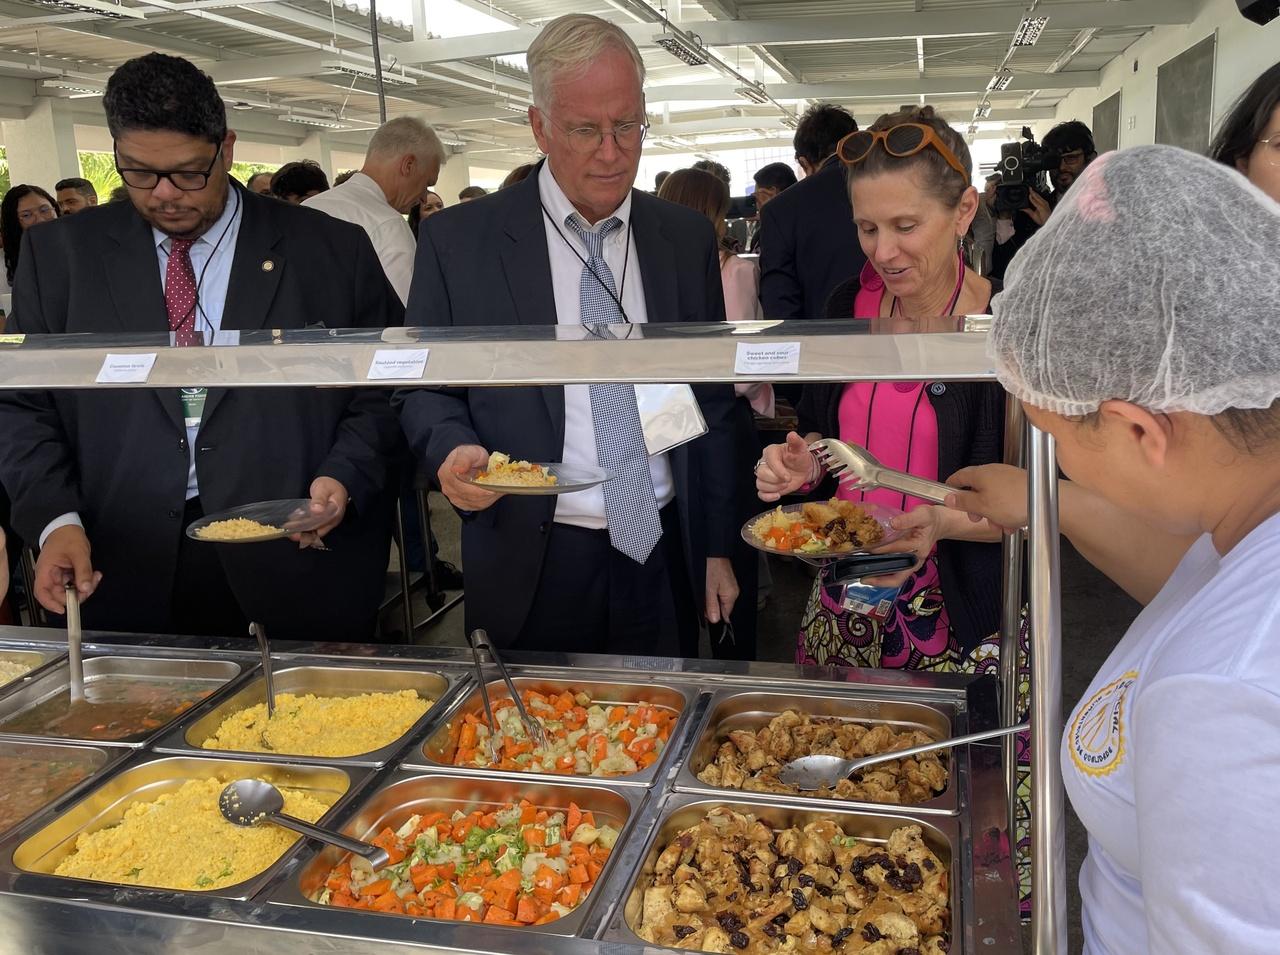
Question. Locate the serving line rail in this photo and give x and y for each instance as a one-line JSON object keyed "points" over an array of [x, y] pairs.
{"points": [[941, 350]]}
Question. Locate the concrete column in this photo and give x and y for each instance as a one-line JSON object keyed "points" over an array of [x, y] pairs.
{"points": [[41, 149], [316, 147], [454, 177]]}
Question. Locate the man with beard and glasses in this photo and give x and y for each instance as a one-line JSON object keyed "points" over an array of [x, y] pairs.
{"points": [[106, 481], [1073, 142]]}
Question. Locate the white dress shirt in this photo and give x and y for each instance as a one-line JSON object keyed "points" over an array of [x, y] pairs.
{"points": [[211, 258], [586, 508], [360, 200]]}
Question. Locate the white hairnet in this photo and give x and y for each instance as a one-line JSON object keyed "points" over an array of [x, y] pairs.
{"points": [[1155, 281]]}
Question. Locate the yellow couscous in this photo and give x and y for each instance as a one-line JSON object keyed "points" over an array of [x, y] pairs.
{"points": [[180, 841], [10, 670], [321, 725], [236, 528]]}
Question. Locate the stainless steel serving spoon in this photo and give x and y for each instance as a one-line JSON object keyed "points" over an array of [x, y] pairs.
{"points": [[247, 802], [75, 662], [820, 770], [258, 631]]}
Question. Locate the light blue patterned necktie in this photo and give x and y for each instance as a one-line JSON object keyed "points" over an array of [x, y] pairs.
{"points": [[630, 505]]}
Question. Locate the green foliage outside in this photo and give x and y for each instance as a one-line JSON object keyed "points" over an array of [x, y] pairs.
{"points": [[100, 169]]}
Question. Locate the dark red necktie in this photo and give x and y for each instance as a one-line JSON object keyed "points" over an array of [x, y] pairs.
{"points": [[180, 293]]}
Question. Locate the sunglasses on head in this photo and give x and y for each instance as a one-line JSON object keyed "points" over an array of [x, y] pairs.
{"points": [[901, 141]]}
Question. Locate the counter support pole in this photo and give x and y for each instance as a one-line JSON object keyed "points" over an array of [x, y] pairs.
{"points": [[1011, 562], [1048, 825]]}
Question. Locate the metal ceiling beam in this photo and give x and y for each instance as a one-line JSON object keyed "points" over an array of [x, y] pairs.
{"points": [[839, 29], [878, 88], [730, 123]]}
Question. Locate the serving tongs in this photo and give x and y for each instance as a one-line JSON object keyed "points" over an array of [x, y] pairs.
{"points": [[858, 468], [259, 632], [479, 640], [75, 662]]}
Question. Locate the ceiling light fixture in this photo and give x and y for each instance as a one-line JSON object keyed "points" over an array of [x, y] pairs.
{"points": [[790, 122], [241, 105], [314, 121], [366, 72], [1000, 81], [983, 111], [1029, 31], [100, 7], [687, 49], [754, 93], [72, 86]]}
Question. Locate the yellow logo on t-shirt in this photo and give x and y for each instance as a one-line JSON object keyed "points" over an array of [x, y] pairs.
{"points": [[1097, 733]]}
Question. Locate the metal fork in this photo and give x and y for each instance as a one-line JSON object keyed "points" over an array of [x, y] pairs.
{"points": [[479, 640], [858, 467]]}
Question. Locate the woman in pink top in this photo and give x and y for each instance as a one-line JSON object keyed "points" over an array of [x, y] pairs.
{"points": [[910, 186]]}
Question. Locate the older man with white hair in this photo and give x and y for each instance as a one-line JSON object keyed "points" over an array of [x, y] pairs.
{"points": [[403, 159], [630, 566]]}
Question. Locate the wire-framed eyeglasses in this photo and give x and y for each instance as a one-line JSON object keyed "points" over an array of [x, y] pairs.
{"points": [[187, 180], [587, 139]]}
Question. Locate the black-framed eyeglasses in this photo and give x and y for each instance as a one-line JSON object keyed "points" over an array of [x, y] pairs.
{"points": [[185, 179], [587, 139]]}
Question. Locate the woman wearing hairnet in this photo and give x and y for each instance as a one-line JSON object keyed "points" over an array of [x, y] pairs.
{"points": [[1140, 328]]}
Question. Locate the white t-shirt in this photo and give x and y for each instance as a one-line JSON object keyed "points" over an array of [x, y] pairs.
{"points": [[1172, 761]]}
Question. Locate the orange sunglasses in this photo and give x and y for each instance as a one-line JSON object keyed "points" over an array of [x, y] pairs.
{"points": [[901, 141]]}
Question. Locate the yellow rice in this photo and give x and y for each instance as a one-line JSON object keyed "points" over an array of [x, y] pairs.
{"points": [[180, 841], [321, 725]]}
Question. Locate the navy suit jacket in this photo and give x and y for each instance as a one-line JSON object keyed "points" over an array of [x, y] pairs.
{"points": [[808, 245], [485, 263]]}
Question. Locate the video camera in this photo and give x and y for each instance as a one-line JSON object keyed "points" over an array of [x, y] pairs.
{"points": [[1023, 166]]}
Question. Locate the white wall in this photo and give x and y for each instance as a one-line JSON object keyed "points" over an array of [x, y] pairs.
{"points": [[1244, 51]]}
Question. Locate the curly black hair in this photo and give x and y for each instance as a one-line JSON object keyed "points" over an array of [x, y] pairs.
{"points": [[298, 179], [158, 92]]}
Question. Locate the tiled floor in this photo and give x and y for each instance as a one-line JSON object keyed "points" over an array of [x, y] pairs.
{"points": [[1095, 615]]}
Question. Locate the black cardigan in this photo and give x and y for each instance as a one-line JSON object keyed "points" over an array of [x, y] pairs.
{"points": [[970, 432]]}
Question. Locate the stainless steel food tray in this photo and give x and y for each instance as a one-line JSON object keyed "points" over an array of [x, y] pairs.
{"points": [[218, 673], [97, 759], [679, 812], [436, 753], [737, 709], [322, 680], [406, 793], [38, 660], [36, 849]]}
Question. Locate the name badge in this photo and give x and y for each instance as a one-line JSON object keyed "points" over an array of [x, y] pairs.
{"points": [[193, 405], [669, 416]]}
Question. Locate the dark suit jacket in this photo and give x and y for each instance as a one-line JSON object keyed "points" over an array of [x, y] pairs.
{"points": [[808, 245], [119, 457], [486, 263]]}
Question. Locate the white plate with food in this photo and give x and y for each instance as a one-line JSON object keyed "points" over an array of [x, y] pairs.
{"points": [[505, 475], [822, 529], [263, 521]]}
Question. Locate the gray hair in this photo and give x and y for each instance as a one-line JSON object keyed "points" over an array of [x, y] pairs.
{"points": [[569, 45], [406, 134]]}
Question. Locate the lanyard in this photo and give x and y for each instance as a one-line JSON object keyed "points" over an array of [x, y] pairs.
{"points": [[622, 290], [205, 268]]}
